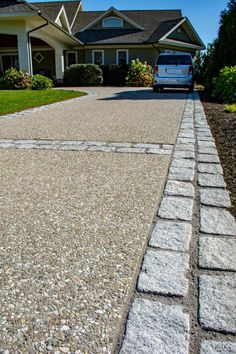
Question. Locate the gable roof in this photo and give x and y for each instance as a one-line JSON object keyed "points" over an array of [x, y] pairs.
{"points": [[163, 29], [115, 12], [149, 20], [52, 9]]}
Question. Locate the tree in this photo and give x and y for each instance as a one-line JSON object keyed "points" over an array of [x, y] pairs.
{"points": [[222, 52]]}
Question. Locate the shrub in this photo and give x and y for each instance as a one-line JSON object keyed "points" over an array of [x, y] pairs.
{"points": [[114, 75], [140, 74], [83, 74], [15, 79], [231, 108], [224, 86], [40, 82]]}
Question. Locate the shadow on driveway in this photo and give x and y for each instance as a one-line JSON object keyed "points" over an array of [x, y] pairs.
{"points": [[146, 94]]}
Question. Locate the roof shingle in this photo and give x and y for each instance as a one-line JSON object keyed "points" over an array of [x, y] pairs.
{"points": [[52, 9], [150, 20], [14, 6]]}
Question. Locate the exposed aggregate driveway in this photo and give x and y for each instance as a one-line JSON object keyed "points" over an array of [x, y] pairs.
{"points": [[74, 224], [115, 115]]}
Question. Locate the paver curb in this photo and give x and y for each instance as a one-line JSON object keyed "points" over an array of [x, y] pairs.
{"points": [[94, 146], [194, 207]]}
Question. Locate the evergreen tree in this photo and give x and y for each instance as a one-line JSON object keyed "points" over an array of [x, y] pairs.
{"points": [[222, 52]]}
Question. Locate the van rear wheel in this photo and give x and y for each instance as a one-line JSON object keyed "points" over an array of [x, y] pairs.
{"points": [[155, 89]]}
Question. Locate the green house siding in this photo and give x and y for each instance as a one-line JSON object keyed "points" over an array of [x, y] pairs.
{"points": [[81, 56], [144, 54], [180, 35], [47, 65]]}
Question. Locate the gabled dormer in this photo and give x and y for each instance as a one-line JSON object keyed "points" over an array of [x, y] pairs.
{"points": [[184, 33], [112, 19], [62, 19]]}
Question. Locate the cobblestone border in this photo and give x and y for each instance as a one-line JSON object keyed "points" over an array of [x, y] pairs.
{"points": [[48, 106], [95, 146], [185, 299]]}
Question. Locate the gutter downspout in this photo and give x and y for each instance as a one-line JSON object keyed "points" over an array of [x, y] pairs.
{"points": [[29, 43], [158, 50]]}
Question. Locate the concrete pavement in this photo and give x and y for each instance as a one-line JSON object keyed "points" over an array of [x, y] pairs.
{"points": [[82, 197]]}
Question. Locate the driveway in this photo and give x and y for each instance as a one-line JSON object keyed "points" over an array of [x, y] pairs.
{"points": [[114, 115], [81, 184], [74, 225]]}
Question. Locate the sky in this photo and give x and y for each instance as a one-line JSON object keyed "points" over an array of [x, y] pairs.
{"points": [[203, 14]]}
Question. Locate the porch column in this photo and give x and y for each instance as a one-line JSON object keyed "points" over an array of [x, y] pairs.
{"points": [[59, 63], [24, 52]]}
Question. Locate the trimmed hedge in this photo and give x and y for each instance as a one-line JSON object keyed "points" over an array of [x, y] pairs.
{"points": [[114, 75], [40, 82], [83, 75]]}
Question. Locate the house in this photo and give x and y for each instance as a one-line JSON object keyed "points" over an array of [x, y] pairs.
{"points": [[45, 37]]}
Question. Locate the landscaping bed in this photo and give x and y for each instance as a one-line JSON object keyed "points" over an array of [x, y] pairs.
{"points": [[17, 100], [223, 127]]}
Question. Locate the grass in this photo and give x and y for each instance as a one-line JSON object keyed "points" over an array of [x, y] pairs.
{"points": [[17, 100]]}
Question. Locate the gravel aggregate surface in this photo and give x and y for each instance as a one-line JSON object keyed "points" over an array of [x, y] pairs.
{"points": [[115, 114], [73, 227]]}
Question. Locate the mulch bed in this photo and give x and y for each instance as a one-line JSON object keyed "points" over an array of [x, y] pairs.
{"points": [[223, 127]]}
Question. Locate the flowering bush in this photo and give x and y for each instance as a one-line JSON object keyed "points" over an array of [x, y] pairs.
{"points": [[139, 74], [14, 79]]}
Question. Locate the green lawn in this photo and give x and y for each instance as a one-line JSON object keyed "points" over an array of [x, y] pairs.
{"points": [[17, 100]]}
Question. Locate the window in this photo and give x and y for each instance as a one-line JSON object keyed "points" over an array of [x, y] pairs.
{"points": [[174, 60], [112, 22], [71, 58], [98, 57], [122, 57], [8, 61]]}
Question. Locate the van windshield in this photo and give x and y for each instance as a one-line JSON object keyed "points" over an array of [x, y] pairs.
{"points": [[174, 60]]}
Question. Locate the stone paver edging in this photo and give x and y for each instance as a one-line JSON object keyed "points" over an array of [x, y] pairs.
{"points": [[95, 146], [183, 300]]}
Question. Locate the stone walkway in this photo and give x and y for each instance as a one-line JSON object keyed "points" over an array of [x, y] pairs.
{"points": [[185, 297]]}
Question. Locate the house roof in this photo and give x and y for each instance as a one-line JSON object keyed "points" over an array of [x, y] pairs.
{"points": [[163, 29], [14, 6], [150, 20], [52, 9]]}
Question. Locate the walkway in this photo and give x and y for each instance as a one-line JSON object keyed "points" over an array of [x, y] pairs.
{"points": [[81, 188]]}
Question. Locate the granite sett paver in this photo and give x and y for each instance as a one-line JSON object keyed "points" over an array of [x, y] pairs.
{"points": [[217, 299]]}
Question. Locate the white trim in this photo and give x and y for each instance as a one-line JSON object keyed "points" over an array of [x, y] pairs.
{"points": [[117, 13], [113, 46], [172, 42], [62, 13], [76, 13], [98, 50], [76, 56], [117, 55], [113, 17], [172, 30]]}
